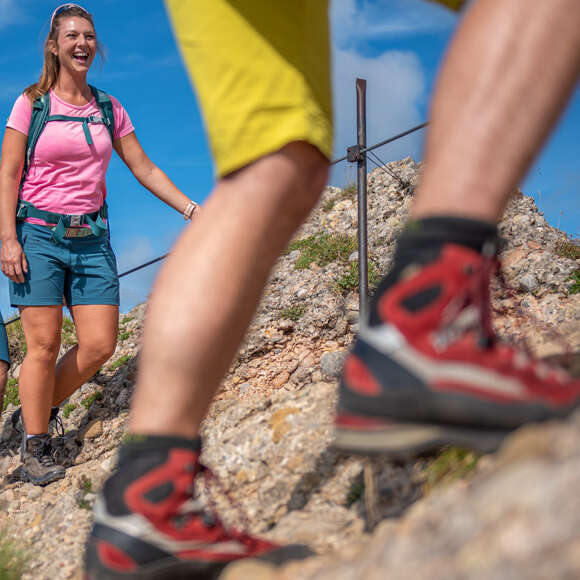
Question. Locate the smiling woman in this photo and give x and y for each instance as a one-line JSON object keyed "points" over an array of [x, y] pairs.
{"points": [[55, 153]]}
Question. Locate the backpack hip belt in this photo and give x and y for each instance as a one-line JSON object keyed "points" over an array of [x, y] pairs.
{"points": [[95, 220]]}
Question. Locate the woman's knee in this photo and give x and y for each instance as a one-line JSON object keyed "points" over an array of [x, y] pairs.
{"points": [[43, 349], [97, 351]]}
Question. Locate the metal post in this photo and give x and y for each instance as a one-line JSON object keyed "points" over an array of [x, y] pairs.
{"points": [[361, 121]]}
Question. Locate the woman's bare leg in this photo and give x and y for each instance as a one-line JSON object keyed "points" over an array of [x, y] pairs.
{"points": [[96, 326]]}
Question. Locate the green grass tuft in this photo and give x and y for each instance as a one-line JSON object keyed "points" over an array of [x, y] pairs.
{"points": [[68, 332], [450, 464], [355, 492], [349, 282], [11, 397], [88, 401], [119, 362], [293, 312], [568, 249], [86, 486], [124, 335], [349, 190], [16, 339], [68, 409], [575, 288], [323, 249], [126, 319], [328, 204], [12, 558]]}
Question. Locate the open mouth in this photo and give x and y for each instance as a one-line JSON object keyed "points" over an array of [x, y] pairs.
{"points": [[81, 57]]}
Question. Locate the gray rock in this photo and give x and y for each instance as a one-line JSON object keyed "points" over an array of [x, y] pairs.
{"points": [[331, 363], [528, 282]]}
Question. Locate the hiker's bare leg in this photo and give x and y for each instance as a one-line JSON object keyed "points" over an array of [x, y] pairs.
{"points": [[509, 71], [207, 292], [96, 326], [41, 326]]}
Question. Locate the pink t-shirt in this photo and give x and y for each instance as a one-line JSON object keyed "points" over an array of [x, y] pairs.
{"points": [[66, 174]]}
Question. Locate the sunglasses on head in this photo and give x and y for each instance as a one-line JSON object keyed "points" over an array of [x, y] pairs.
{"points": [[63, 8]]}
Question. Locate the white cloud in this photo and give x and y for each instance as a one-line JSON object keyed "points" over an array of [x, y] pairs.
{"points": [[356, 22], [396, 83], [395, 88]]}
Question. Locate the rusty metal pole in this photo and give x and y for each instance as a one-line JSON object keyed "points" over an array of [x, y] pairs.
{"points": [[361, 121]]}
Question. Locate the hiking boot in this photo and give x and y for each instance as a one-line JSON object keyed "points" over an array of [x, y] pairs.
{"points": [[431, 373], [54, 422], [38, 466], [149, 525]]}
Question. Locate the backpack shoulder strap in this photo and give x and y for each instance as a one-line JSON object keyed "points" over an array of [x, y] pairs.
{"points": [[38, 117], [106, 108]]}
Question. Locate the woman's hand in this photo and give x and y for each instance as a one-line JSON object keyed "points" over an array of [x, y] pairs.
{"points": [[13, 260]]}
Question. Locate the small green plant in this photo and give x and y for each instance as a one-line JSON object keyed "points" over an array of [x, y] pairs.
{"points": [[349, 190], [575, 288], [568, 249], [349, 282], [323, 249], [293, 312], [127, 318], [355, 492], [328, 204], [11, 396], [86, 486], [119, 362], [12, 559], [124, 335], [68, 409], [68, 332], [450, 464], [88, 401], [16, 338]]}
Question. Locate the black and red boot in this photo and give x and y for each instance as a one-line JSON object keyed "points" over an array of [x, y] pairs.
{"points": [[149, 525], [427, 371]]}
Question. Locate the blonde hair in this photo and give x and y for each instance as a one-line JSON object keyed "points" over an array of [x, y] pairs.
{"points": [[51, 65]]}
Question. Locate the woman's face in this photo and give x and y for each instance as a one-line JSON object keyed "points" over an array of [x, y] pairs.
{"points": [[76, 44]]}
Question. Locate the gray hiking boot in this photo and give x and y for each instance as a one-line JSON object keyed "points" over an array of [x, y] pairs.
{"points": [[54, 423], [38, 466]]}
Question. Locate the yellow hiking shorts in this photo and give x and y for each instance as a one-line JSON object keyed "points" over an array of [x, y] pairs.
{"points": [[261, 70]]}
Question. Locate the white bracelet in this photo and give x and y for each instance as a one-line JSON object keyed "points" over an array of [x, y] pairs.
{"points": [[188, 211]]}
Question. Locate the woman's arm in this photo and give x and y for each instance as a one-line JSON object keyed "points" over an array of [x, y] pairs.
{"points": [[149, 175], [12, 259]]}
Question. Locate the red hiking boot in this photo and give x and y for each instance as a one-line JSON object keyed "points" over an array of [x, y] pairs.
{"points": [[433, 374], [149, 526]]}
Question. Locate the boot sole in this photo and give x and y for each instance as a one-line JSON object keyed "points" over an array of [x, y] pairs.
{"points": [[27, 478], [171, 568], [409, 440]]}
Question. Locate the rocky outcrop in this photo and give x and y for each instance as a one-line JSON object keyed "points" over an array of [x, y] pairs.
{"points": [[268, 434]]}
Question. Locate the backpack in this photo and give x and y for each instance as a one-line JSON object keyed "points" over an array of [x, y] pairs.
{"points": [[39, 117]]}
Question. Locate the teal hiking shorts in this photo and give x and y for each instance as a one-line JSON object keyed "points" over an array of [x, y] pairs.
{"points": [[4, 352], [83, 270]]}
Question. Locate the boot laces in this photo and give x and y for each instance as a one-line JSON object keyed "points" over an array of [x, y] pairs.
{"points": [[469, 311], [478, 293], [43, 453], [195, 508], [58, 425]]}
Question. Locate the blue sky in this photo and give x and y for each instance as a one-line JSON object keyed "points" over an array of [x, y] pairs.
{"points": [[396, 45]]}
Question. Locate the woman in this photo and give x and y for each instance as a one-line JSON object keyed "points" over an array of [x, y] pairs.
{"points": [[59, 246]]}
